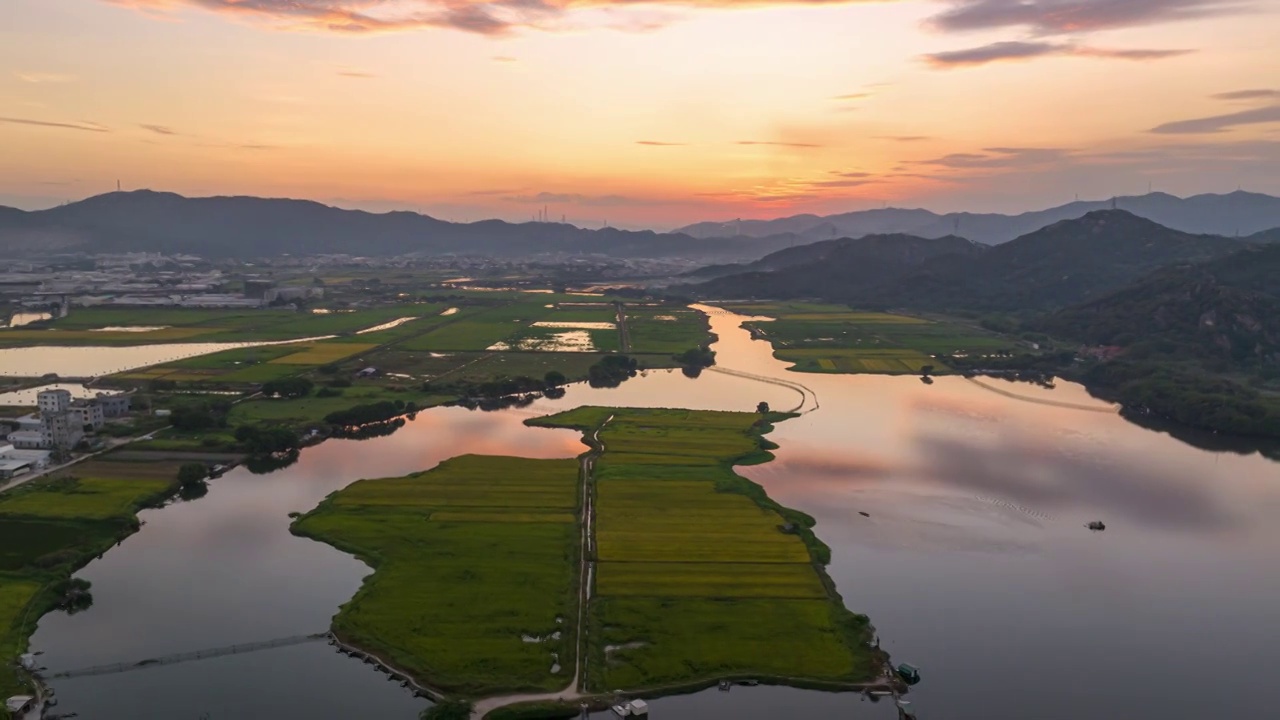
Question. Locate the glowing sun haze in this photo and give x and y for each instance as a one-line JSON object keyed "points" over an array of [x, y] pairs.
{"points": [[647, 114]]}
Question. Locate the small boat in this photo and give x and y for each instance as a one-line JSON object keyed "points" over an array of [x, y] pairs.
{"points": [[725, 686], [864, 514], [1097, 525], [909, 672], [621, 710]]}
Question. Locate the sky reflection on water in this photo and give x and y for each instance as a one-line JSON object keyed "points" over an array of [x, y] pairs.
{"points": [[974, 561]]}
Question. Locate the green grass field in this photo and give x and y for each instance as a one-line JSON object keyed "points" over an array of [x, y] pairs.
{"points": [[313, 409], [83, 326], [478, 329], [468, 557], [86, 497], [699, 576], [834, 339], [668, 329]]}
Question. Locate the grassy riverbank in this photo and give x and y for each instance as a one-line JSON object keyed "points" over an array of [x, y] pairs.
{"points": [[470, 559], [699, 575], [52, 527]]}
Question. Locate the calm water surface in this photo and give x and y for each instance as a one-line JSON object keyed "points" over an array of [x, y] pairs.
{"points": [[974, 562]]}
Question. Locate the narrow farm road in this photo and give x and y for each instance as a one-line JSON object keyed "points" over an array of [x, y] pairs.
{"points": [[624, 333], [586, 571]]}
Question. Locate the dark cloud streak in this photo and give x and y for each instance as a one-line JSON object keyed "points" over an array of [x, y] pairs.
{"points": [[1059, 17], [1220, 123], [85, 126], [1028, 50]]}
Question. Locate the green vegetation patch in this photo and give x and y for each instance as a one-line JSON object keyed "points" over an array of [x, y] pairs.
{"points": [[89, 497], [710, 580], [459, 579], [835, 339], [656, 641], [882, 362], [479, 330], [669, 329], [313, 409], [699, 575]]}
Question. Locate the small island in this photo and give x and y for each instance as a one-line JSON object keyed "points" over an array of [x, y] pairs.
{"points": [[520, 587]]}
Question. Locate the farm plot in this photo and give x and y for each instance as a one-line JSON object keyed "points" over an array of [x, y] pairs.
{"points": [[89, 497], [699, 575], [478, 330], [323, 353], [833, 339], [666, 329], [471, 558], [836, 360], [144, 326]]}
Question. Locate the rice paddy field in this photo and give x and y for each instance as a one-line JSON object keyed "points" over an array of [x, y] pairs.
{"points": [[146, 326], [668, 329], [699, 576], [834, 339], [476, 337], [313, 409], [475, 563]]}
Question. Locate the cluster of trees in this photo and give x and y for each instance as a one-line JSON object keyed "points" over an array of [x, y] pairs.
{"points": [[699, 357], [297, 387], [371, 413], [612, 371], [191, 481], [503, 387], [1187, 397], [267, 440], [73, 595], [197, 415]]}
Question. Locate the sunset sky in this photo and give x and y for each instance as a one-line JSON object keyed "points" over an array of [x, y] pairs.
{"points": [[644, 114]]}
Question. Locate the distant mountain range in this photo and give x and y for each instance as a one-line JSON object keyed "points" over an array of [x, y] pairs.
{"points": [[1237, 213], [248, 227], [1065, 263]]}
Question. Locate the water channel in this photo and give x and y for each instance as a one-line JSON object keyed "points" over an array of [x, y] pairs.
{"points": [[974, 562]]}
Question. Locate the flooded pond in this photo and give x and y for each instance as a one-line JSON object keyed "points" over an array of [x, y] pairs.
{"points": [[19, 319], [972, 559], [94, 361], [23, 398]]}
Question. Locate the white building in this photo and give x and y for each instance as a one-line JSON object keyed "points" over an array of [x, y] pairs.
{"points": [[53, 401], [60, 424], [114, 406], [89, 412], [28, 439], [29, 422]]}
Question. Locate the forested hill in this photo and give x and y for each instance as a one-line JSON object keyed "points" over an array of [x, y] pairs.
{"points": [[249, 227], [1066, 263], [795, 272], [1224, 313]]}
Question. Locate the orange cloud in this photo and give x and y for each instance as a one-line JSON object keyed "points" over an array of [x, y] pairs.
{"points": [[485, 17]]}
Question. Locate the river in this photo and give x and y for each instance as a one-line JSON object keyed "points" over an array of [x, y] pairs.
{"points": [[974, 562]]}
